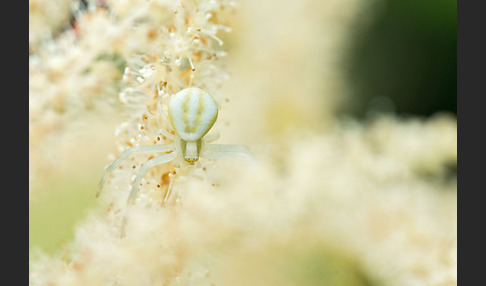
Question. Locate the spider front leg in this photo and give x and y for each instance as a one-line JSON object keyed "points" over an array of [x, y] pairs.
{"points": [[133, 194], [220, 151], [150, 163], [128, 152]]}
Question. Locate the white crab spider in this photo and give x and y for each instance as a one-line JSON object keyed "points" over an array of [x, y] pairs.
{"points": [[192, 113]]}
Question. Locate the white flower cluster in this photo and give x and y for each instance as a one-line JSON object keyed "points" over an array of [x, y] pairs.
{"points": [[338, 209], [128, 54], [183, 50]]}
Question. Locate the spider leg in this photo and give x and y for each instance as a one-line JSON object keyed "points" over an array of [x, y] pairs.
{"points": [[131, 198], [128, 152], [150, 163], [169, 189], [220, 151]]}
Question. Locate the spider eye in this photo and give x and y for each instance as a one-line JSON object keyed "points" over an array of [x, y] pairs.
{"points": [[191, 159]]}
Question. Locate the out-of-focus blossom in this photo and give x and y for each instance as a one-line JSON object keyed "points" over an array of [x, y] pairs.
{"points": [[325, 203]]}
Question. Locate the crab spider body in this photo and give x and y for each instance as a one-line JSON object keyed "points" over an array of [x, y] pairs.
{"points": [[192, 113]]}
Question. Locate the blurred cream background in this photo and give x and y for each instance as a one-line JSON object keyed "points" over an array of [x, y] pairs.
{"points": [[329, 202]]}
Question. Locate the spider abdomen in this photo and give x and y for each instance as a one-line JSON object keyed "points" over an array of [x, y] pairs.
{"points": [[192, 113]]}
